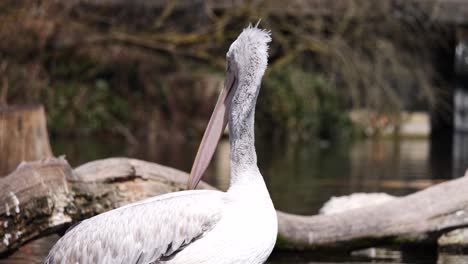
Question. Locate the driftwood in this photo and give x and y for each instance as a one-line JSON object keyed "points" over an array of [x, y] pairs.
{"points": [[47, 196], [23, 136]]}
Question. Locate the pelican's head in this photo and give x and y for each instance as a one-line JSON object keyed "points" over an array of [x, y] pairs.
{"points": [[247, 60]]}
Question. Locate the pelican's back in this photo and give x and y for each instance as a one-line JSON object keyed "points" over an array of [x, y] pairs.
{"points": [[145, 232]]}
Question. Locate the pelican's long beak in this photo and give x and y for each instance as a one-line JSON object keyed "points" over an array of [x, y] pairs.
{"points": [[213, 132]]}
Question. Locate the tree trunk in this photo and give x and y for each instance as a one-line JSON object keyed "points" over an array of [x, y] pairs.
{"points": [[47, 196], [23, 136]]}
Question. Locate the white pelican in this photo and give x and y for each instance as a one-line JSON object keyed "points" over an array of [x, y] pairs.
{"points": [[196, 226]]}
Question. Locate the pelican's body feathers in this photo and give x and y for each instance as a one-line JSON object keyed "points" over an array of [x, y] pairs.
{"points": [[195, 227], [177, 228]]}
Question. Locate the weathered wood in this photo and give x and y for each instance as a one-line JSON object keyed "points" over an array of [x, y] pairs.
{"points": [[23, 136], [454, 239], [46, 196], [417, 218], [451, 11], [33, 199]]}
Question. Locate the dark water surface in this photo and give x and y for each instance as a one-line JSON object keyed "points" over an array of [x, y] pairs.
{"points": [[300, 179]]}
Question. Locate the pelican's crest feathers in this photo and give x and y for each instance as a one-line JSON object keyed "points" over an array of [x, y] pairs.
{"points": [[250, 49]]}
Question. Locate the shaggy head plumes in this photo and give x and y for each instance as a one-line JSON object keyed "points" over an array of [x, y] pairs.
{"points": [[250, 52]]}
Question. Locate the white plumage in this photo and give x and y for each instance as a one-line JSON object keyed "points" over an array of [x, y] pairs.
{"points": [[195, 227]]}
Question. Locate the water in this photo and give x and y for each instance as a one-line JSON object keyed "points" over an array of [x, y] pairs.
{"points": [[300, 179]]}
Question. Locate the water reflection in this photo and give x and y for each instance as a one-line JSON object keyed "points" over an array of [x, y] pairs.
{"points": [[35, 252], [32, 253], [221, 175], [300, 177], [460, 153]]}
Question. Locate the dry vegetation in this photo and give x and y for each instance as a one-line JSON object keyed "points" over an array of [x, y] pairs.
{"points": [[110, 66]]}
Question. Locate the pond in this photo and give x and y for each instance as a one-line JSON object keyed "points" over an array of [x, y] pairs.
{"points": [[300, 177]]}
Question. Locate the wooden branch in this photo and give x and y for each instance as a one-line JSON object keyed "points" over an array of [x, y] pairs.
{"points": [[417, 218], [47, 196]]}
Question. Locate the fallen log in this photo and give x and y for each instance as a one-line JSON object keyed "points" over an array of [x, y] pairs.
{"points": [[44, 197], [419, 218], [47, 196]]}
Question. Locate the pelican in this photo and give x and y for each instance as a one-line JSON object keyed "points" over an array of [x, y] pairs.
{"points": [[196, 226]]}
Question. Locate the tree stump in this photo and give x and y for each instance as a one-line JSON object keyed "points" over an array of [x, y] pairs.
{"points": [[23, 136]]}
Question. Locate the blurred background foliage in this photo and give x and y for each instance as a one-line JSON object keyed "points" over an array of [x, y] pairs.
{"points": [[152, 69]]}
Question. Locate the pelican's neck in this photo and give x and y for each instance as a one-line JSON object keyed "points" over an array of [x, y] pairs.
{"points": [[244, 168]]}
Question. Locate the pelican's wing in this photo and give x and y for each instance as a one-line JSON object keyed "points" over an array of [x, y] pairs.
{"points": [[144, 232]]}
